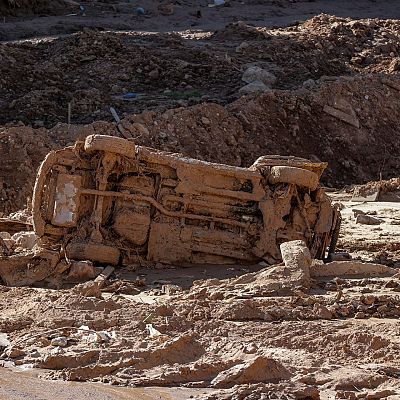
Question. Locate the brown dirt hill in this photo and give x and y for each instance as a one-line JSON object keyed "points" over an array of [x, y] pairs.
{"points": [[277, 122]]}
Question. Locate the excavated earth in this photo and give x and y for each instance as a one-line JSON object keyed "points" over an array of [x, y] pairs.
{"points": [[187, 89], [237, 332]]}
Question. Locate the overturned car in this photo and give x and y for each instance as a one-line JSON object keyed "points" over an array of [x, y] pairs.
{"points": [[112, 202]]}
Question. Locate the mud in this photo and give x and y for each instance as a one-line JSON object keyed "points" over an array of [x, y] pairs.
{"points": [[333, 338], [227, 85]]}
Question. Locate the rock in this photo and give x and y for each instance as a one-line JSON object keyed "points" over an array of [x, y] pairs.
{"points": [[357, 212], [82, 271], [15, 352], [26, 240], [257, 74], [367, 220], [368, 299], [60, 341], [5, 235], [321, 311], [4, 342], [296, 256], [205, 121], [154, 74], [242, 47], [359, 315], [23, 269], [254, 87], [259, 369], [88, 289]]}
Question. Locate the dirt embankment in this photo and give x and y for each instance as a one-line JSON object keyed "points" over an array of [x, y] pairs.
{"points": [[277, 122], [306, 111], [93, 70]]}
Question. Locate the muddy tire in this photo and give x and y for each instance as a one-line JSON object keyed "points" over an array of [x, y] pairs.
{"points": [[295, 176], [110, 144]]}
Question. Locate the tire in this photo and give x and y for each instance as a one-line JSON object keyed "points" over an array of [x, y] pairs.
{"points": [[110, 144], [294, 176]]}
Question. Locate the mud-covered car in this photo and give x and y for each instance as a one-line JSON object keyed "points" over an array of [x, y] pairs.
{"points": [[110, 201]]}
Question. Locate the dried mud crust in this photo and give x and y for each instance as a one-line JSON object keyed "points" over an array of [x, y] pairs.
{"points": [[241, 345]]}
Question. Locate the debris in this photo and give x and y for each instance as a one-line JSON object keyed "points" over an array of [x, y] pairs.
{"points": [[153, 332], [217, 3], [367, 220], [129, 96], [60, 341], [28, 267], [349, 268], [82, 270], [254, 87], [339, 256], [257, 74], [115, 115], [152, 220], [170, 290], [93, 288], [166, 9], [361, 195], [4, 342], [349, 119]]}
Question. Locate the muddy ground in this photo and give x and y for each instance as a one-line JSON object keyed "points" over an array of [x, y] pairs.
{"points": [[224, 330], [174, 75]]}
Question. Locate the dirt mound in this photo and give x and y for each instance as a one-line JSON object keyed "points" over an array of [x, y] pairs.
{"points": [[30, 7], [278, 122], [385, 190], [94, 70]]}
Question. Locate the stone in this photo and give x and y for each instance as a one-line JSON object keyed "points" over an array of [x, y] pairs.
{"points": [[254, 87], [60, 341], [154, 74], [357, 212], [5, 235], [15, 352], [296, 255], [4, 342], [257, 74], [367, 220], [205, 120], [82, 270], [321, 311], [26, 240]]}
